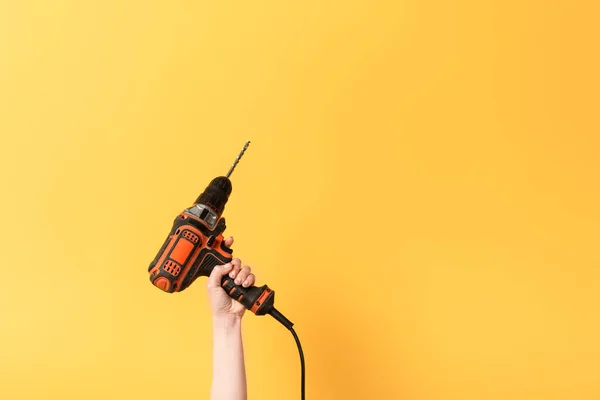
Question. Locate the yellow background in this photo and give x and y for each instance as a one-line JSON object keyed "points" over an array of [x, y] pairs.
{"points": [[422, 192]]}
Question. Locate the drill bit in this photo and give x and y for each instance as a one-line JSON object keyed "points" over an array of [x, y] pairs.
{"points": [[237, 160]]}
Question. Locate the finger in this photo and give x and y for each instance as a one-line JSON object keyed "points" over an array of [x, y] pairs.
{"points": [[214, 280], [249, 280], [229, 241], [242, 275], [237, 265]]}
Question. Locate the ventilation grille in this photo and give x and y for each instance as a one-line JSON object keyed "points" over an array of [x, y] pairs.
{"points": [[172, 268], [190, 236], [208, 263]]}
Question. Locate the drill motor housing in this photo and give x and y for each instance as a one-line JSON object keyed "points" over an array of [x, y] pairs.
{"points": [[193, 248]]}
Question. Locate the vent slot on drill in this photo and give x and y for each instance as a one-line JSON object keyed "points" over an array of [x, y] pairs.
{"points": [[172, 268], [192, 237], [208, 263]]}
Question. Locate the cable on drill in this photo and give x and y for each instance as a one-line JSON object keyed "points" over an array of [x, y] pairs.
{"points": [[301, 361], [288, 324]]}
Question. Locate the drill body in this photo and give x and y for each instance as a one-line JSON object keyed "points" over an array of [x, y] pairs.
{"points": [[193, 248], [195, 245]]}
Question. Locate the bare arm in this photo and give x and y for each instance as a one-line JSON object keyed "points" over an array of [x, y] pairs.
{"points": [[229, 374]]}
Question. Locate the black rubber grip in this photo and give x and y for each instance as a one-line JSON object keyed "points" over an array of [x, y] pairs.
{"points": [[249, 296]]}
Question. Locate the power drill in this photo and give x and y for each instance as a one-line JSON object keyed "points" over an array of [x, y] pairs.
{"points": [[195, 246]]}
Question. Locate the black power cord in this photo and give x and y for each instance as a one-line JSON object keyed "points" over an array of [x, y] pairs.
{"points": [[288, 324], [301, 359]]}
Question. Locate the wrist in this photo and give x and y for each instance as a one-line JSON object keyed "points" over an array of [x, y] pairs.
{"points": [[227, 323]]}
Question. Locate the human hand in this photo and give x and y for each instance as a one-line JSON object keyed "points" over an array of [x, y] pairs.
{"points": [[221, 303]]}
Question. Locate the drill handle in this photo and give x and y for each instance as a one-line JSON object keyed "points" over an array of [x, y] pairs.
{"points": [[258, 299]]}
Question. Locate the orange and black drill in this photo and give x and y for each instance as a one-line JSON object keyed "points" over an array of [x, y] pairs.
{"points": [[196, 245]]}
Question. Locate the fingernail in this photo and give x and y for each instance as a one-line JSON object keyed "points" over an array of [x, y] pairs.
{"points": [[238, 281], [232, 274], [246, 284]]}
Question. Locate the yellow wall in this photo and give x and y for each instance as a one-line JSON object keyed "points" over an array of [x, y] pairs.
{"points": [[422, 192]]}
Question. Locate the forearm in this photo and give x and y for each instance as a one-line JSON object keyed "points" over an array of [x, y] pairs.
{"points": [[229, 375]]}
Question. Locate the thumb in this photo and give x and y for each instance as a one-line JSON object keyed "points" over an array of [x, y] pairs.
{"points": [[229, 241], [214, 280]]}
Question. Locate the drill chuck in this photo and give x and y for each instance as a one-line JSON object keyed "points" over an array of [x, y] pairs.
{"points": [[216, 194]]}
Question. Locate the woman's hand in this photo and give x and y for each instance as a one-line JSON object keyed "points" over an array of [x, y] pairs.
{"points": [[223, 305]]}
